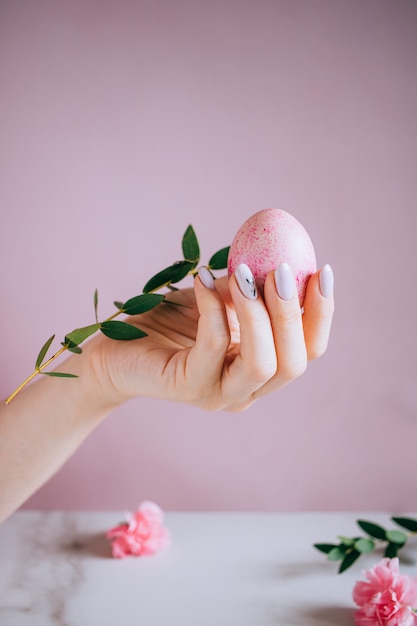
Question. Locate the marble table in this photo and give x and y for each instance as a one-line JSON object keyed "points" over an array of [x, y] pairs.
{"points": [[223, 569]]}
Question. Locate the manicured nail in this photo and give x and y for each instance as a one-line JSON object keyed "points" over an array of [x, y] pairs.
{"points": [[284, 281], [246, 281], [326, 281], [206, 278]]}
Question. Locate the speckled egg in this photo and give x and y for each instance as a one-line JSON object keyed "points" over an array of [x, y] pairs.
{"points": [[267, 239]]}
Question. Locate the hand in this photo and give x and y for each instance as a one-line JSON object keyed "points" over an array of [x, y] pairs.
{"points": [[219, 350]]}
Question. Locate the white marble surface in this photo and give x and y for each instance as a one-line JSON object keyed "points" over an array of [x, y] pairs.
{"points": [[223, 569]]}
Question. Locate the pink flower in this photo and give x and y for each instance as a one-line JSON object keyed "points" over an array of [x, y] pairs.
{"points": [[387, 598], [142, 533]]}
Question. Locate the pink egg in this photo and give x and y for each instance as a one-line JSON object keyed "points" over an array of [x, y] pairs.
{"points": [[267, 239]]}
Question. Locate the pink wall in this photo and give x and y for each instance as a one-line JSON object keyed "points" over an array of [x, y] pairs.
{"points": [[121, 122]]}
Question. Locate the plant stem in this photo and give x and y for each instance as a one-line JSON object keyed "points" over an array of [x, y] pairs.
{"points": [[37, 371]]}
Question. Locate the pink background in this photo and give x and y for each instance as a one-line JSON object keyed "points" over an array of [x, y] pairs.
{"points": [[121, 122]]}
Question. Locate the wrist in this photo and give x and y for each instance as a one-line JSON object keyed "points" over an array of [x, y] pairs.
{"points": [[96, 375], [92, 391]]}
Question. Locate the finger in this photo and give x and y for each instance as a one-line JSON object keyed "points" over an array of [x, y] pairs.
{"points": [[256, 362], [206, 359], [223, 288], [318, 312], [282, 302]]}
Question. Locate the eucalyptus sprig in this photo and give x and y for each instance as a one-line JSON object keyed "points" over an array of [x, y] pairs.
{"points": [[349, 549], [142, 303]]}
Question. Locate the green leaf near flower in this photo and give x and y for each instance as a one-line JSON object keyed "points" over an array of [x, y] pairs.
{"points": [[171, 274], [364, 545], [353, 547], [349, 560], [141, 304], [391, 551], [337, 553], [325, 547], [396, 536], [190, 246], [374, 530], [346, 541], [121, 331], [219, 259], [406, 522]]}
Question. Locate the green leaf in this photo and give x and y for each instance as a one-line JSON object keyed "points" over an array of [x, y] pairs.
{"points": [[118, 305], [364, 545], [349, 560], [392, 550], [72, 347], [406, 522], [190, 247], [43, 352], [171, 274], [219, 259], [121, 331], [347, 541], [96, 304], [374, 530], [142, 303], [59, 375], [78, 335], [396, 536], [337, 553], [325, 547], [180, 304]]}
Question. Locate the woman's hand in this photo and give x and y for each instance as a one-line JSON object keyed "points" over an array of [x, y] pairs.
{"points": [[218, 348]]}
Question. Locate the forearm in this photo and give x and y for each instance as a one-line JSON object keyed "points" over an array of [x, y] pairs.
{"points": [[43, 426]]}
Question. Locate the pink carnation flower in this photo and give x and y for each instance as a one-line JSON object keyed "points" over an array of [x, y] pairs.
{"points": [[142, 534], [387, 598]]}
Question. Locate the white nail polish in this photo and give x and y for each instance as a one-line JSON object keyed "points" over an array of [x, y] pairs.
{"points": [[206, 278], [246, 281], [326, 281], [284, 281]]}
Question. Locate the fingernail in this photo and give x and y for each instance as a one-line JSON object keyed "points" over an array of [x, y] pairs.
{"points": [[326, 281], [284, 281], [206, 278], [246, 281]]}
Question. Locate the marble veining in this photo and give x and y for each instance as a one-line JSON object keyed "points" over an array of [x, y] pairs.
{"points": [[45, 572]]}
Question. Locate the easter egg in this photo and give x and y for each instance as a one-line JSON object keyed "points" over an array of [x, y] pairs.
{"points": [[267, 239]]}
